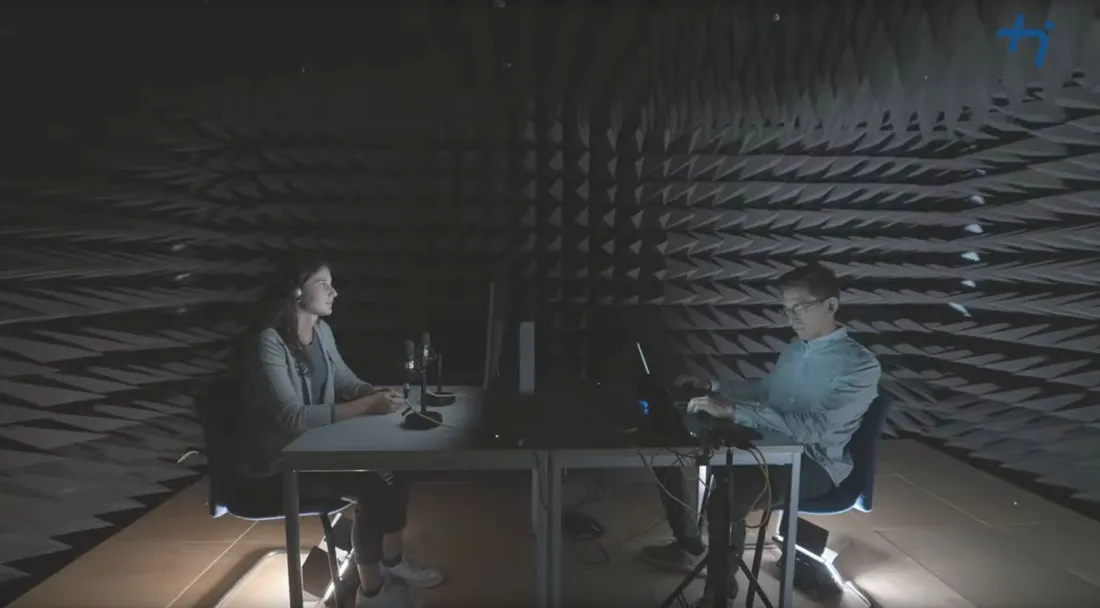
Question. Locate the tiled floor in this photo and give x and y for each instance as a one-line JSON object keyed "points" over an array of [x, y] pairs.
{"points": [[942, 534]]}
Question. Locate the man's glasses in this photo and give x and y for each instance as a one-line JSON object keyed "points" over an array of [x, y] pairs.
{"points": [[800, 309]]}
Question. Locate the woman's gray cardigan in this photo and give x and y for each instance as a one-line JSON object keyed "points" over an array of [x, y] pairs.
{"points": [[274, 408]]}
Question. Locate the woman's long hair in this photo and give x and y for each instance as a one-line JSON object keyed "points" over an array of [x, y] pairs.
{"points": [[279, 304]]}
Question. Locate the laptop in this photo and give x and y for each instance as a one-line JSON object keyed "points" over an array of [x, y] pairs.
{"points": [[665, 407], [669, 418]]}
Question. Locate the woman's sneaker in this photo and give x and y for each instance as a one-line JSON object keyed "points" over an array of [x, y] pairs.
{"points": [[413, 575], [391, 595]]}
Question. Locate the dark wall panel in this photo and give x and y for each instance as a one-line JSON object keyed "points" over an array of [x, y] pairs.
{"points": [[145, 197], [985, 321], [951, 183], [97, 367], [412, 213], [588, 242]]}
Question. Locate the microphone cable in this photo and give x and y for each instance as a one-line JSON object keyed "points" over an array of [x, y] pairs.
{"points": [[764, 495]]}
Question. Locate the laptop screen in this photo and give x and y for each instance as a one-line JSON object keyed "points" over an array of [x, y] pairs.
{"points": [[641, 357], [651, 384]]}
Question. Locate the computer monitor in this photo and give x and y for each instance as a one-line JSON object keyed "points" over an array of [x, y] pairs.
{"points": [[510, 355]]}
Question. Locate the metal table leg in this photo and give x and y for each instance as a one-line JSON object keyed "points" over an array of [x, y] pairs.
{"points": [[536, 504], [790, 540], [555, 534], [291, 508], [548, 531], [541, 514], [700, 503], [718, 553]]}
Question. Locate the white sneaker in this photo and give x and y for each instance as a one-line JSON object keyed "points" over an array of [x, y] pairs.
{"points": [[413, 575], [391, 596]]}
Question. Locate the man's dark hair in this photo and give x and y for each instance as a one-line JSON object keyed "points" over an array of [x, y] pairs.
{"points": [[814, 278]]}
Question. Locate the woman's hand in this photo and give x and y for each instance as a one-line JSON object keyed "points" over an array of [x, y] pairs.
{"points": [[384, 401]]}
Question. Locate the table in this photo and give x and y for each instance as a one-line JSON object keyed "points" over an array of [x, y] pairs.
{"points": [[378, 443], [776, 450]]}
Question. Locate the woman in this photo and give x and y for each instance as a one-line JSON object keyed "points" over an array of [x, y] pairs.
{"points": [[296, 380]]}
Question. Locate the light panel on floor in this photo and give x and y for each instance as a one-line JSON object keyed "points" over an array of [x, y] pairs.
{"points": [[266, 584]]}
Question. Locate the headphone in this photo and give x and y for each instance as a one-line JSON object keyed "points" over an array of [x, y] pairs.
{"points": [[302, 370]]}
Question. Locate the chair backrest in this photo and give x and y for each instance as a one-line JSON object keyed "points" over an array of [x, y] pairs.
{"points": [[217, 411], [863, 448]]}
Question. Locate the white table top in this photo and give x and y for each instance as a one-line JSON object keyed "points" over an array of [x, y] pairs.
{"points": [[774, 449], [380, 442], [384, 433]]}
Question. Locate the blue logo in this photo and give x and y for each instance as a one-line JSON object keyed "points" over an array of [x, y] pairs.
{"points": [[1018, 32]]}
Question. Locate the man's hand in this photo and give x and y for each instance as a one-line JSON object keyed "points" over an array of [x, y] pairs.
{"points": [[710, 405], [384, 401], [691, 381]]}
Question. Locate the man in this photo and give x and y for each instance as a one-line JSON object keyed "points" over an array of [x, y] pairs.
{"points": [[822, 384]]}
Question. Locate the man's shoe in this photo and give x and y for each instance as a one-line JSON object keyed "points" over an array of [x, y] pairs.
{"points": [[413, 575], [708, 597], [672, 557]]}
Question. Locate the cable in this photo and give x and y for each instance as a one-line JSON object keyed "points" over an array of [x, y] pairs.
{"points": [[414, 412], [766, 491], [187, 455], [604, 555], [657, 478], [657, 522], [600, 494], [587, 538]]}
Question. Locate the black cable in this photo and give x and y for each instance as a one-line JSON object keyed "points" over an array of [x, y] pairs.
{"points": [[603, 555], [599, 495], [591, 538], [766, 490]]}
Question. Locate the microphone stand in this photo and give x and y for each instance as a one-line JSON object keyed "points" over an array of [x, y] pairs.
{"points": [[719, 555], [439, 397], [424, 419], [438, 373]]}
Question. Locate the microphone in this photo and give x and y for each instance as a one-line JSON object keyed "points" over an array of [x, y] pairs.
{"points": [[425, 361], [426, 353], [439, 397], [430, 357], [410, 367], [420, 420]]}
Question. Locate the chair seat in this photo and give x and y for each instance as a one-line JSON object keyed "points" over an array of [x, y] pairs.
{"points": [[838, 501], [262, 508], [263, 499], [834, 502]]}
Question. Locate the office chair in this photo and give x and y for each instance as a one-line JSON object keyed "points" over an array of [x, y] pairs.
{"points": [[229, 495], [857, 491]]}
